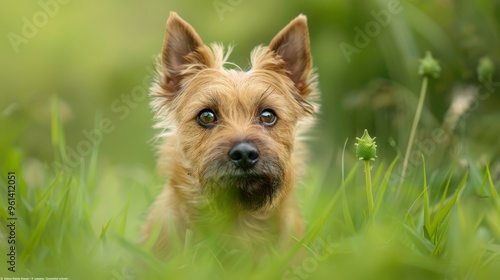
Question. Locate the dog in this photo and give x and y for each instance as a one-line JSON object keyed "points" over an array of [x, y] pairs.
{"points": [[232, 141]]}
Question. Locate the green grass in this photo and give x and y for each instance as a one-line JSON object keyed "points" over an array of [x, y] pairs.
{"points": [[84, 224]]}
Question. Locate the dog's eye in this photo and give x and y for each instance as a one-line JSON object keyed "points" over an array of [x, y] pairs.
{"points": [[206, 118], [268, 117]]}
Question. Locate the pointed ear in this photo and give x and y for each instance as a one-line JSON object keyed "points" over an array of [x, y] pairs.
{"points": [[292, 44], [180, 40]]}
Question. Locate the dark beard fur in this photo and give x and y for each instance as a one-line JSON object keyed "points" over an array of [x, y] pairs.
{"points": [[246, 192]]}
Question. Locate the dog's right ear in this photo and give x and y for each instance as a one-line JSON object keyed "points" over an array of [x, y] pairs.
{"points": [[180, 40]]}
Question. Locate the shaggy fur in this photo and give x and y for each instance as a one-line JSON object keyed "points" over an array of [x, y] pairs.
{"points": [[203, 184]]}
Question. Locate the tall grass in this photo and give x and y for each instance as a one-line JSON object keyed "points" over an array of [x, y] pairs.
{"points": [[84, 224]]}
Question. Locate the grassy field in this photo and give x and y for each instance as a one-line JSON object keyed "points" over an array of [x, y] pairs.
{"points": [[76, 140], [83, 224]]}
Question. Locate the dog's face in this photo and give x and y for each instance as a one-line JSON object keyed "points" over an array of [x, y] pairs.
{"points": [[236, 130]]}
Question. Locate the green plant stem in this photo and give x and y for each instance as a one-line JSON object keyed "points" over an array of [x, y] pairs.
{"points": [[416, 120], [369, 192]]}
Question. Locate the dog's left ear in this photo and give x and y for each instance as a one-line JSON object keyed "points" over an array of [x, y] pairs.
{"points": [[292, 44]]}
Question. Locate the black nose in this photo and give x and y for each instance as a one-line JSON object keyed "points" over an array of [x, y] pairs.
{"points": [[244, 155]]}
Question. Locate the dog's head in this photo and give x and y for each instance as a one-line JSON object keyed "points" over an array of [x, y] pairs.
{"points": [[235, 130]]}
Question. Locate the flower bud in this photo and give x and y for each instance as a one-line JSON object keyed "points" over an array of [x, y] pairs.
{"points": [[366, 149], [429, 67]]}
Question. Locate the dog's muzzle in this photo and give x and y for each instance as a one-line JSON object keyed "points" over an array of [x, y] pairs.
{"points": [[244, 178]]}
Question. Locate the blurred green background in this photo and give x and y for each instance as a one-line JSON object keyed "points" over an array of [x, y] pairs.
{"points": [[92, 54], [97, 59]]}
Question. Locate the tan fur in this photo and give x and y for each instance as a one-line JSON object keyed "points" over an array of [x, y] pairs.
{"points": [[192, 77]]}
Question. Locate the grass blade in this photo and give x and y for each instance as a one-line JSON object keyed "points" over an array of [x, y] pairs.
{"points": [[442, 213], [42, 201], [427, 216], [123, 224], [318, 223], [424, 245], [383, 186], [445, 192], [100, 239], [378, 174], [345, 203], [493, 190], [36, 235]]}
